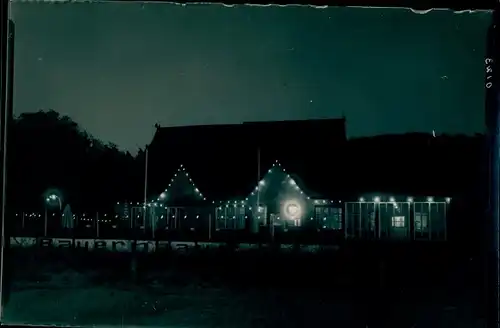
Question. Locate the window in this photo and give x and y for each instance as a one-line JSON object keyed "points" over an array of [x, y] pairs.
{"points": [[230, 217], [220, 218], [421, 221], [328, 217], [398, 221], [371, 221]]}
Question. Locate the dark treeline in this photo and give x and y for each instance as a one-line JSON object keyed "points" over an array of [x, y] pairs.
{"points": [[50, 151]]}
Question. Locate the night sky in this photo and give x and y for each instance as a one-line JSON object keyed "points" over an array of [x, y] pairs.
{"points": [[119, 68]]}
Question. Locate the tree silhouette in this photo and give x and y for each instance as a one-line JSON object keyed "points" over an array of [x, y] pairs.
{"points": [[52, 151]]}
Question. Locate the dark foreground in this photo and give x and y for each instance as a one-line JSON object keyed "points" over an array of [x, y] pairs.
{"points": [[358, 286]]}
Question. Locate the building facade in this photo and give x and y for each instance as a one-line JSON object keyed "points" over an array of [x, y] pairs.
{"points": [[204, 181], [379, 216]]}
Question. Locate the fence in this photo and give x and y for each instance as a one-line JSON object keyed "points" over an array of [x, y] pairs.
{"points": [[180, 228]]}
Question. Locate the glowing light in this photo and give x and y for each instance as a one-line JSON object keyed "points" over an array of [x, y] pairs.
{"points": [[292, 209], [376, 199], [361, 199], [448, 199], [392, 200], [430, 199], [410, 199]]}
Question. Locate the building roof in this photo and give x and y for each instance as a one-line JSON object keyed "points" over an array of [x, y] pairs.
{"points": [[227, 161]]}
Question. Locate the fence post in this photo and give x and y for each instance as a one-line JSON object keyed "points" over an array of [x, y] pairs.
{"points": [[97, 223], [209, 227]]}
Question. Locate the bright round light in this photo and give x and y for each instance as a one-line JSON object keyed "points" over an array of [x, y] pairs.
{"points": [[376, 199], [292, 210]]}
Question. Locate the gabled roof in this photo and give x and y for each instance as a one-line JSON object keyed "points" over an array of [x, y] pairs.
{"points": [[225, 160], [181, 179], [263, 183]]}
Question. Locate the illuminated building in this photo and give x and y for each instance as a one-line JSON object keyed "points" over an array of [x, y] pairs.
{"points": [[379, 216], [271, 178]]}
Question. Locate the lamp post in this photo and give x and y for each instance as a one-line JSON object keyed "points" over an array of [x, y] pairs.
{"points": [[51, 198], [145, 187], [54, 197]]}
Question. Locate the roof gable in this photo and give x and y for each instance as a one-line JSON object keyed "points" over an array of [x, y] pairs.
{"points": [[274, 182], [181, 189]]}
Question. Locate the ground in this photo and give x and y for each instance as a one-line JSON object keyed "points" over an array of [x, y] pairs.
{"points": [[234, 290]]}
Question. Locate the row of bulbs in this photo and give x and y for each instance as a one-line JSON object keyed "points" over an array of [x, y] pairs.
{"points": [[377, 199], [277, 218], [259, 188], [39, 215], [228, 216], [53, 214], [74, 219], [181, 169], [162, 217]]}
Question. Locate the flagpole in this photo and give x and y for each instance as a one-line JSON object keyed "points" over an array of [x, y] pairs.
{"points": [[145, 188], [134, 230], [153, 223], [45, 222], [258, 175], [210, 227], [258, 189]]}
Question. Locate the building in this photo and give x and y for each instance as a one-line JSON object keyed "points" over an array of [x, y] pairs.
{"points": [[381, 216], [279, 202], [197, 174], [272, 179]]}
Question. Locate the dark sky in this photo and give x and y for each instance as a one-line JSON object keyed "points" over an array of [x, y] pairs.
{"points": [[118, 68]]}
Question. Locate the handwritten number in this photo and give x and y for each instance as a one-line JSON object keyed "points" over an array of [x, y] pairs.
{"points": [[489, 72]]}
